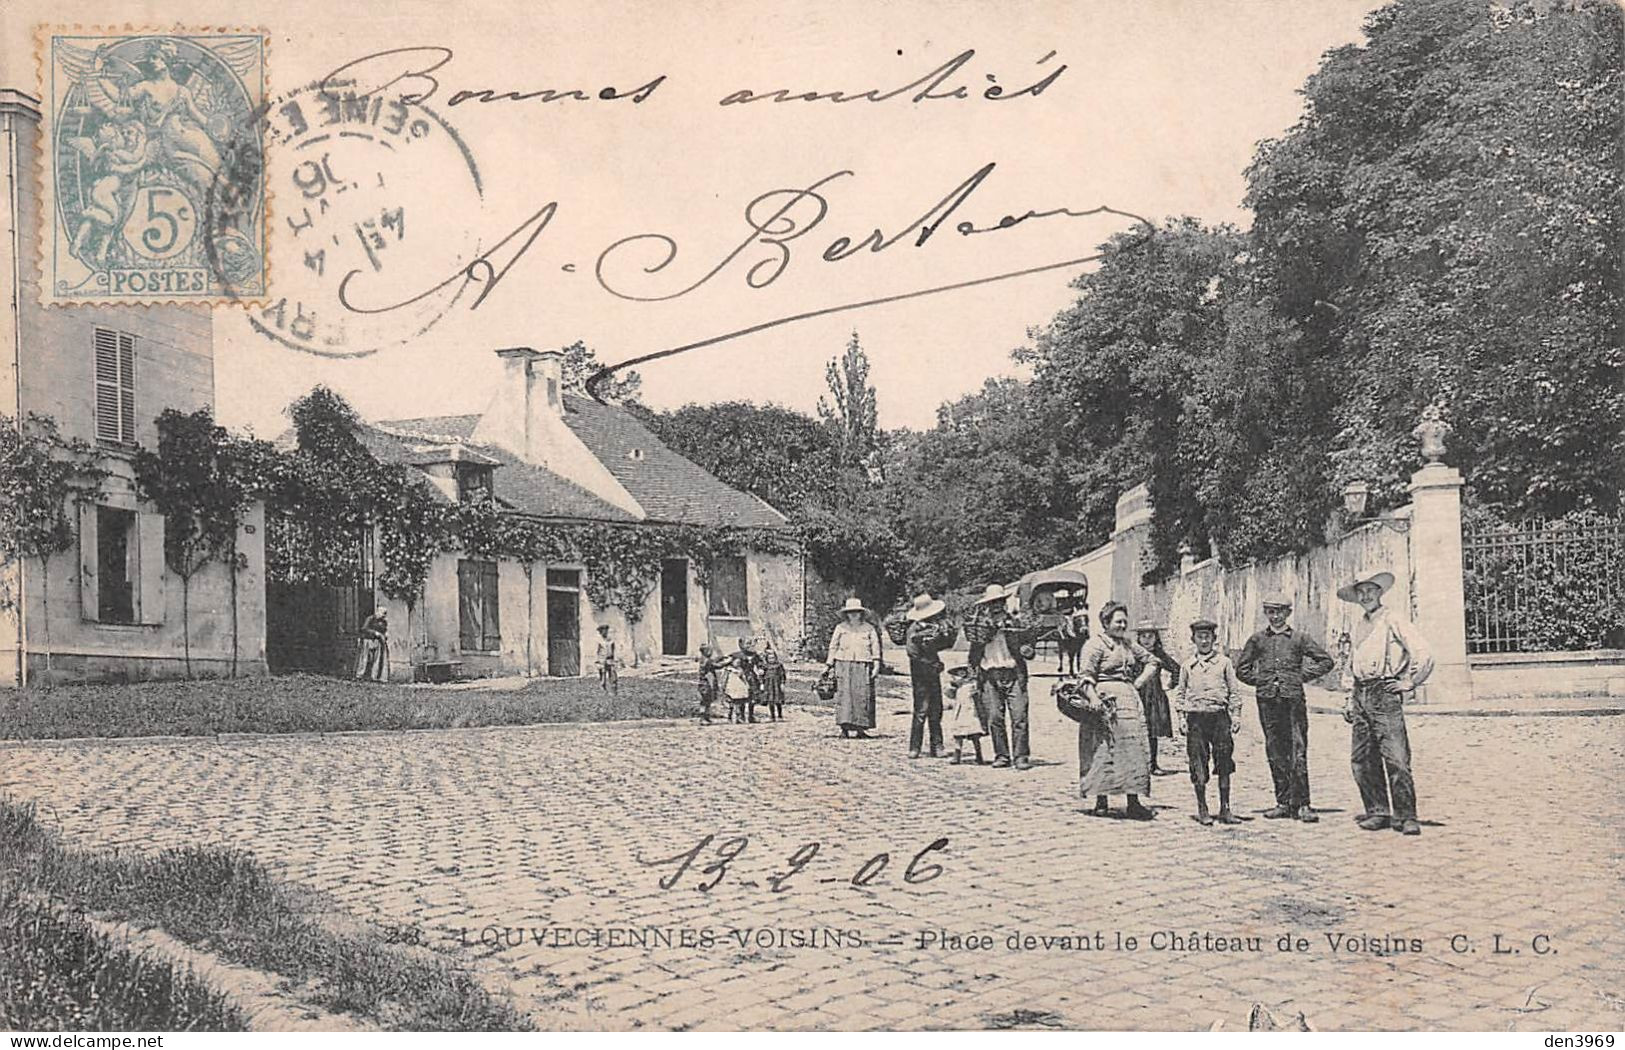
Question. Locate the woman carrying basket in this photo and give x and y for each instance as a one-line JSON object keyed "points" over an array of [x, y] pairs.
{"points": [[1114, 756]]}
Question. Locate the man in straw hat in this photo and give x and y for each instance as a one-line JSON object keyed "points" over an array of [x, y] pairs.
{"points": [[927, 636], [1001, 675], [1389, 661], [1276, 661]]}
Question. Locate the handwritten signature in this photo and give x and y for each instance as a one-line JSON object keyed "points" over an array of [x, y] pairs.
{"points": [[774, 220], [922, 868]]}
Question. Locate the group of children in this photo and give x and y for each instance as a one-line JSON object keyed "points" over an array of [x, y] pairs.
{"points": [[748, 676]]}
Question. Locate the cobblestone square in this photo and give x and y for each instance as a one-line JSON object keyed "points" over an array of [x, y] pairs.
{"points": [[564, 863]]}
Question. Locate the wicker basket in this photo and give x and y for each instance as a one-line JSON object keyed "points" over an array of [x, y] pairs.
{"points": [[979, 631], [897, 631]]}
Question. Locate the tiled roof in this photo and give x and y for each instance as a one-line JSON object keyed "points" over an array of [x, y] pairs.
{"points": [[521, 486], [667, 486]]}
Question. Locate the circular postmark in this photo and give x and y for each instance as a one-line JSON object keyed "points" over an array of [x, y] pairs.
{"points": [[375, 200]]}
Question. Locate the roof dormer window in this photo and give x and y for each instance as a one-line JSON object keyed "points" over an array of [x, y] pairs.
{"points": [[474, 483]]}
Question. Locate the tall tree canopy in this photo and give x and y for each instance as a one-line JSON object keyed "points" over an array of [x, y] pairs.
{"points": [[1444, 222], [852, 409], [781, 456]]}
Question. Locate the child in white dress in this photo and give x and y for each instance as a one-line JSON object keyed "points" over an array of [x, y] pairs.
{"points": [[964, 719]]}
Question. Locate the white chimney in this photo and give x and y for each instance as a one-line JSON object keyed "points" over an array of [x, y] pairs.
{"points": [[507, 419], [547, 379], [526, 417]]}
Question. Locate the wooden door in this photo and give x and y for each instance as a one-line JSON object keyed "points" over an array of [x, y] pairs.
{"points": [[563, 633], [674, 607]]}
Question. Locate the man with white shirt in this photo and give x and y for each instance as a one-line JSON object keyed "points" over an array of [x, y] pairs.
{"points": [[1389, 660]]}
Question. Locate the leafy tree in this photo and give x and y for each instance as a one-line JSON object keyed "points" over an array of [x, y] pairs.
{"points": [[191, 481], [851, 412], [1445, 222], [580, 363], [779, 455], [41, 473], [987, 494], [1119, 373]]}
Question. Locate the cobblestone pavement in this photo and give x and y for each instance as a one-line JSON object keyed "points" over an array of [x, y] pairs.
{"points": [[534, 840]]}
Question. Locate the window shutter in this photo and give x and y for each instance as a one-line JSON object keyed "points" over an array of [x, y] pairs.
{"points": [[491, 621], [151, 568], [115, 386], [89, 593], [467, 605], [126, 379], [107, 385]]}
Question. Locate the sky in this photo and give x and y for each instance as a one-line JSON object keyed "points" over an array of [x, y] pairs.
{"points": [[1157, 112]]}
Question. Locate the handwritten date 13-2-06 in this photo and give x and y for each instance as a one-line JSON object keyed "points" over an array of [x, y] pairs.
{"points": [[717, 864]]}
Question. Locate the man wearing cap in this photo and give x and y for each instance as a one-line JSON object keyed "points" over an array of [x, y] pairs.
{"points": [[1001, 677], [1209, 705], [926, 637], [1390, 659], [1276, 661]]}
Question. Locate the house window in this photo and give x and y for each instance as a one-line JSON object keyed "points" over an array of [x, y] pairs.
{"points": [[117, 565], [473, 483], [728, 594], [479, 626], [121, 565], [115, 387]]}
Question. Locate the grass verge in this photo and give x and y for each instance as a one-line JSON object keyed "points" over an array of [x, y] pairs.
{"points": [[226, 903], [58, 973], [310, 703]]}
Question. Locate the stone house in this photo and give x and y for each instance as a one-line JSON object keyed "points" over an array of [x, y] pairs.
{"points": [[553, 455], [110, 609]]}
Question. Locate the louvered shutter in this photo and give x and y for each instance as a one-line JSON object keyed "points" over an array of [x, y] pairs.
{"points": [[126, 378], [115, 386], [107, 385]]}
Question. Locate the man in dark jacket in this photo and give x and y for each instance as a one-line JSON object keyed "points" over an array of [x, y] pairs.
{"points": [[1276, 661], [927, 636]]}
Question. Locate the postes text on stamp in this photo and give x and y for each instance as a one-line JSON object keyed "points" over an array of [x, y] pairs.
{"points": [[139, 127]]}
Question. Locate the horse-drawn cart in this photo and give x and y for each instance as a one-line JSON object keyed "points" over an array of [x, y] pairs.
{"points": [[1054, 597]]}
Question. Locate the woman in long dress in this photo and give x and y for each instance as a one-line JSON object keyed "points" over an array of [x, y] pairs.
{"points": [[854, 659], [1114, 756]]}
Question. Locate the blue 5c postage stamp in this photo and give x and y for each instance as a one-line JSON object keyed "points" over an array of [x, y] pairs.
{"points": [[152, 171]]}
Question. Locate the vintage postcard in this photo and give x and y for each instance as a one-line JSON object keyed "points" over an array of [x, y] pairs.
{"points": [[926, 516]]}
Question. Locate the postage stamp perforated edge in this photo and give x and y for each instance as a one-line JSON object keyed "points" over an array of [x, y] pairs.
{"points": [[45, 241]]}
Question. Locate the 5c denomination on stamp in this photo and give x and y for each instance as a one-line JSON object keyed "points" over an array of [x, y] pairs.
{"points": [[139, 128]]}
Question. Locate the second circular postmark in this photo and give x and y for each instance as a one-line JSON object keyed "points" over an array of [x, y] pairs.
{"points": [[375, 198]]}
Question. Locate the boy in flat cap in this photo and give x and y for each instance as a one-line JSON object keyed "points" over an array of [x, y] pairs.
{"points": [[1209, 704], [1276, 662]]}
